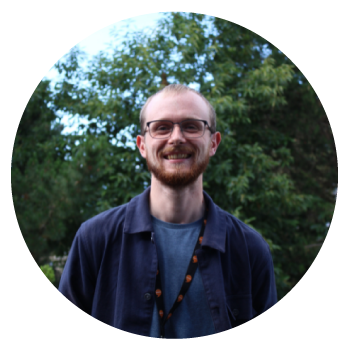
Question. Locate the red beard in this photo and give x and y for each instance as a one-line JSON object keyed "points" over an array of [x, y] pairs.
{"points": [[180, 177]]}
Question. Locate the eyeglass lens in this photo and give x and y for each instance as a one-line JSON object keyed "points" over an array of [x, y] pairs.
{"points": [[190, 128]]}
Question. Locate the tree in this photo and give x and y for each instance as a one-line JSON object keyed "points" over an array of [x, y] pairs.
{"points": [[41, 176], [276, 166]]}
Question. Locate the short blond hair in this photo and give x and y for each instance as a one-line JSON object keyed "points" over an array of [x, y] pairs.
{"points": [[178, 89]]}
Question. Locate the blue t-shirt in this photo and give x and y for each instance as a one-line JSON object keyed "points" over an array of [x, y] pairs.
{"points": [[175, 244]]}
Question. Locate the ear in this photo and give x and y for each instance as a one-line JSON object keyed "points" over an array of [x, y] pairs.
{"points": [[140, 143], [214, 143]]}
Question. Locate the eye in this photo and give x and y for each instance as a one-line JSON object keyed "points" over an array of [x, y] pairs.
{"points": [[192, 126], [161, 127]]}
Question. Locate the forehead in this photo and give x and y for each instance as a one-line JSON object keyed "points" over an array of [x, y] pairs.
{"points": [[177, 107]]}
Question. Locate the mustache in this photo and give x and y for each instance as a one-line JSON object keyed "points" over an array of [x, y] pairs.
{"points": [[180, 149]]}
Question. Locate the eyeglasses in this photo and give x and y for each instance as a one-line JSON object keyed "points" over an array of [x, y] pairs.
{"points": [[190, 128]]}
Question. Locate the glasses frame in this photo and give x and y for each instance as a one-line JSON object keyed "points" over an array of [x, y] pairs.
{"points": [[180, 125]]}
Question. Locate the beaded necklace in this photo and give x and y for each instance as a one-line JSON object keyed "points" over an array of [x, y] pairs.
{"points": [[192, 267]]}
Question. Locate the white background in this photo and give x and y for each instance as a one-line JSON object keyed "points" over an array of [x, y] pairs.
{"points": [[313, 34]]}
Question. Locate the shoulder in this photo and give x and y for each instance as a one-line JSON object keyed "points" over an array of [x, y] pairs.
{"points": [[109, 225], [239, 238], [242, 236], [238, 230], [103, 226], [253, 238]]}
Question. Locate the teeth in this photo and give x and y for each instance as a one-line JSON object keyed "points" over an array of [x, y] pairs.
{"points": [[177, 156]]}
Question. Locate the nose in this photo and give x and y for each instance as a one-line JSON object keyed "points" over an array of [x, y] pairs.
{"points": [[177, 136]]}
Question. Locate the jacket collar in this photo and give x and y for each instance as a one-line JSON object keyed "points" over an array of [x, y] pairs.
{"points": [[138, 219]]}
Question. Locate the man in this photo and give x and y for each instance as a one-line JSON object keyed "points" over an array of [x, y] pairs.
{"points": [[171, 263]]}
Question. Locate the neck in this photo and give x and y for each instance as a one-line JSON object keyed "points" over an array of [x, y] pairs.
{"points": [[177, 205]]}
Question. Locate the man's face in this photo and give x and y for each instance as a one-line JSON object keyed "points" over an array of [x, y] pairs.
{"points": [[163, 155]]}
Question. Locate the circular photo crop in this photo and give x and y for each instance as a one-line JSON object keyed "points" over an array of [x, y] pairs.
{"points": [[177, 179]]}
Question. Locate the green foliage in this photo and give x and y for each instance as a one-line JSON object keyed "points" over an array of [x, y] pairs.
{"points": [[41, 177], [49, 273], [276, 168]]}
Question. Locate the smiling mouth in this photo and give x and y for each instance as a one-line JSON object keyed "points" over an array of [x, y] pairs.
{"points": [[177, 156]]}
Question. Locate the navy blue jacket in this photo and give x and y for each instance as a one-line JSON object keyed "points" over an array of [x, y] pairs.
{"points": [[111, 268]]}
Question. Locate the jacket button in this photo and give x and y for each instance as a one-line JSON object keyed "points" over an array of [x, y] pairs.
{"points": [[235, 312], [147, 296]]}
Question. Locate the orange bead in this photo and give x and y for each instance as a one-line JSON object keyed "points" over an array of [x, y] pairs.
{"points": [[205, 222], [168, 316], [195, 260], [179, 298], [158, 292], [200, 239], [188, 278], [161, 313]]}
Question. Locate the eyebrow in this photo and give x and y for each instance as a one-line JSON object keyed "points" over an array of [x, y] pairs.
{"points": [[181, 119]]}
